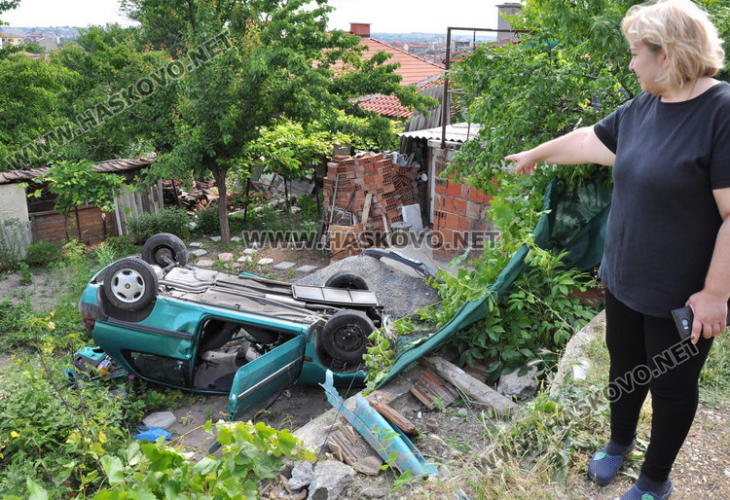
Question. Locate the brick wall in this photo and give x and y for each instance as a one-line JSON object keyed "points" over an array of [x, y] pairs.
{"points": [[459, 214], [391, 186]]}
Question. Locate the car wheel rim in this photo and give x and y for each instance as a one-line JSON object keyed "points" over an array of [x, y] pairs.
{"points": [[349, 338], [128, 285], [164, 255]]}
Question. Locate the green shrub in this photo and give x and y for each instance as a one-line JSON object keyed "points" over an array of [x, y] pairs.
{"points": [[168, 220], [208, 221], [42, 253], [141, 226], [122, 245], [173, 220]]}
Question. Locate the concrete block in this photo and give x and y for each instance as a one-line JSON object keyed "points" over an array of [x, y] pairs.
{"points": [[204, 263], [265, 262], [307, 269], [283, 266], [162, 419], [215, 238], [521, 386], [199, 253], [249, 251], [195, 244], [246, 259]]}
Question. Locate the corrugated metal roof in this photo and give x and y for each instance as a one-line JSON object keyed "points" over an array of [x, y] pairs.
{"points": [[457, 132], [109, 166]]}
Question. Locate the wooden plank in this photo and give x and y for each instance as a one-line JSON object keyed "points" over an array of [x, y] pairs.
{"points": [[470, 386], [366, 209], [395, 417], [433, 391]]}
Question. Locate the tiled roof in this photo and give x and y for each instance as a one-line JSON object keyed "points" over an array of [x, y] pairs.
{"points": [[385, 105], [412, 68], [109, 166]]}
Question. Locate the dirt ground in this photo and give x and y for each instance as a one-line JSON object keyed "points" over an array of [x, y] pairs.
{"points": [[702, 469]]}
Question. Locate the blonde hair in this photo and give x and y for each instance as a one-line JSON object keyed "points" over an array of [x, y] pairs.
{"points": [[686, 34]]}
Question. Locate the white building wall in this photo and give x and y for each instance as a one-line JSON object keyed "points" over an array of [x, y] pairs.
{"points": [[14, 223]]}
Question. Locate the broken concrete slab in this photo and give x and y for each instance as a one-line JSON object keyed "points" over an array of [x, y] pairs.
{"points": [[161, 419], [195, 244], [246, 259], [576, 351], [199, 253], [236, 239], [225, 257], [215, 238], [265, 262], [302, 475], [479, 392], [412, 217], [284, 266], [249, 251], [207, 263], [520, 386], [307, 269], [330, 480]]}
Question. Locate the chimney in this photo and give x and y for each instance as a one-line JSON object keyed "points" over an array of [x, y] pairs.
{"points": [[360, 29], [506, 9]]}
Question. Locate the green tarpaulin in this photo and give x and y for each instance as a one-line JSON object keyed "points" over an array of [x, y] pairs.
{"points": [[576, 222]]}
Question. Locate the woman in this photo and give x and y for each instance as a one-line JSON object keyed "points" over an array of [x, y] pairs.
{"points": [[668, 234]]}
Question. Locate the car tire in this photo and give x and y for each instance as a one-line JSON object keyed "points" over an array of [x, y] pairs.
{"points": [[345, 335], [130, 284], [164, 248], [347, 281]]}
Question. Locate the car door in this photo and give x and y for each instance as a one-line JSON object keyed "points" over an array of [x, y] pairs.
{"points": [[258, 382]]}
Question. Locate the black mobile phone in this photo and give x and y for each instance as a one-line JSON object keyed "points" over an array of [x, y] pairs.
{"points": [[683, 317]]}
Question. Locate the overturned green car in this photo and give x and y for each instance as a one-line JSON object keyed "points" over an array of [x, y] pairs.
{"points": [[248, 337]]}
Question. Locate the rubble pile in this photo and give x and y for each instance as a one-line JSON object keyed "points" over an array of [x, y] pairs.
{"points": [[350, 179], [201, 194]]}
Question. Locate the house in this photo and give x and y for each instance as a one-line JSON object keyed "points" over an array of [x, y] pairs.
{"points": [[413, 70], [38, 220], [10, 40]]}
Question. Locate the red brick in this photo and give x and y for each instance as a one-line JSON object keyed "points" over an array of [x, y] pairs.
{"points": [[441, 186], [389, 188], [474, 210], [457, 206], [454, 190]]}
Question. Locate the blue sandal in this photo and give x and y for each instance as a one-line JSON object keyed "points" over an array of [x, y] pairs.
{"points": [[603, 467], [636, 494]]}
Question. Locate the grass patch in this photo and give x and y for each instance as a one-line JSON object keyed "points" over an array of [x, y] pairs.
{"points": [[715, 377]]}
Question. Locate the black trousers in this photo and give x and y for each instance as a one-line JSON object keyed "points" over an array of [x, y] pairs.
{"points": [[647, 355]]}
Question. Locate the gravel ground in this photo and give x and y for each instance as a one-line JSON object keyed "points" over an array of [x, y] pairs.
{"points": [[399, 288]]}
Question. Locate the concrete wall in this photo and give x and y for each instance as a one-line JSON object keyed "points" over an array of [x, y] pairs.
{"points": [[15, 228], [13, 202]]}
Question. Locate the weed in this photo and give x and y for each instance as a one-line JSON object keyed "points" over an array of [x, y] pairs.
{"points": [[715, 377], [26, 274], [122, 245], [291, 273], [207, 220], [105, 254]]}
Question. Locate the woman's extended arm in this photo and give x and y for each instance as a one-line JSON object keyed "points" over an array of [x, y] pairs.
{"points": [[578, 147], [710, 304]]}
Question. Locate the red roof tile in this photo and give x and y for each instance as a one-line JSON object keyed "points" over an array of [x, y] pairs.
{"points": [[385, 105], [412, 68]]}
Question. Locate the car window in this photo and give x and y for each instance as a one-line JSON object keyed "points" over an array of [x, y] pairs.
{"points": [[160, 368]]}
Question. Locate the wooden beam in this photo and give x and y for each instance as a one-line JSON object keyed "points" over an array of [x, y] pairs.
{"points": [[470, 386]]}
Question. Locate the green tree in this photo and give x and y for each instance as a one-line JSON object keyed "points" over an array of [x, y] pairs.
{"points": [[570, 70], [272, 58], [109, 101], [30, 92]]}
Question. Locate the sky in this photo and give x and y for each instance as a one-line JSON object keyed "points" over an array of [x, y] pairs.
{"points": [[384, 16]]}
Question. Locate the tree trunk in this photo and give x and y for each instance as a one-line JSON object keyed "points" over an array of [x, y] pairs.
{"points": [[220, 173]]}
